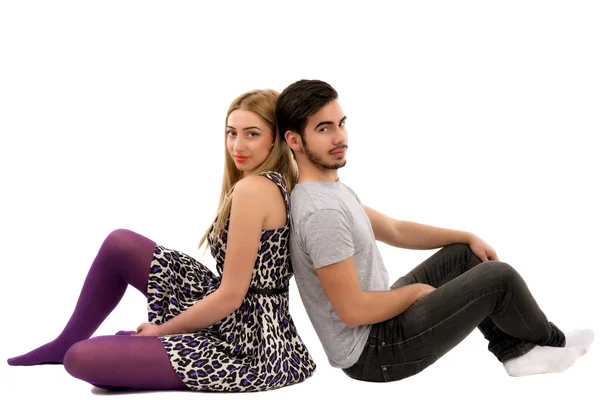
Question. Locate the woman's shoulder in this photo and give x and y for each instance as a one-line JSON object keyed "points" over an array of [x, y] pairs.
{"points": [[263, 187]]}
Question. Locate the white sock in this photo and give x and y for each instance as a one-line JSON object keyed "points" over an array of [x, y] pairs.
{"points": [[543, 360], [580, 338]]}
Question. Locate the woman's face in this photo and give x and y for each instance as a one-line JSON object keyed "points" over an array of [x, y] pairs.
{"points": [[249, 140]]}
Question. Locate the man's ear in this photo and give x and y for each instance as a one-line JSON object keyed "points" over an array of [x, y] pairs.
{"points": [[293, 140]]}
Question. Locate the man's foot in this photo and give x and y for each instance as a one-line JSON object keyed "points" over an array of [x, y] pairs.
{"points": [[580, 338], [543, 360]]}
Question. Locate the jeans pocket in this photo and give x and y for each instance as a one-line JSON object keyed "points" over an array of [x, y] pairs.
{"points": [[396, 372]]}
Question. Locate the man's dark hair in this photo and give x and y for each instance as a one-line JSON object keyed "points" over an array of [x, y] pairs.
{"points": [[299, 101]]}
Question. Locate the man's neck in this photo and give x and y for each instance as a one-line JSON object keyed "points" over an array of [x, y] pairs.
{"points": [[311, 172]]}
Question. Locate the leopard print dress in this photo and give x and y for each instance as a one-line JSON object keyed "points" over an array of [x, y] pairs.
{"points": [[255, 348]]}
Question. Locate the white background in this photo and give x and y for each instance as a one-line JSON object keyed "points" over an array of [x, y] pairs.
{"points": [[473, 115]]}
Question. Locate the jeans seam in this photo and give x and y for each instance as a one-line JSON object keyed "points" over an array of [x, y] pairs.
{"points": [[367, 361], [471, 254], [451, 271], [446, 319], [398, 365], [520, 315]]}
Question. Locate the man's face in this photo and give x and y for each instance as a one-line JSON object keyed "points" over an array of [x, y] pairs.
{"points": [[325, 139]]}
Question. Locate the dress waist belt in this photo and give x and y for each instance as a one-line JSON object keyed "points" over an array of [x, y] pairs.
{"points": [[267, 291]]}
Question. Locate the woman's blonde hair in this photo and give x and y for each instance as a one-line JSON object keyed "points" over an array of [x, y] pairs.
{"points": [[280, 159]]}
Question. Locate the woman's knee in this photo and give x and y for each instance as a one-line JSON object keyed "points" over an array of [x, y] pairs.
{"points": [[77, 360], [121, 242], [118, 237]]}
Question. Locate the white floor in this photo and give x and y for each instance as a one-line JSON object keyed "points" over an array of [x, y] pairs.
{"points": [[468, 372]]}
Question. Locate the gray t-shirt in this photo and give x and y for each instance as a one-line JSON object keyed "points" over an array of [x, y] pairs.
{"points": [[329, 225]]}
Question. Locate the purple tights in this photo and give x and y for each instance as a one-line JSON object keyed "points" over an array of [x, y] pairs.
{"points": [[113, 361]]}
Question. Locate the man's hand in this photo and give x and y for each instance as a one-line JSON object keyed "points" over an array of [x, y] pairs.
{"points": [[481, 249], [148, 329], [424, 290]]}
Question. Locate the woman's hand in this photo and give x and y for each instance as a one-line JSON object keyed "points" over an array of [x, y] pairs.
{"points": [[148, 329]]}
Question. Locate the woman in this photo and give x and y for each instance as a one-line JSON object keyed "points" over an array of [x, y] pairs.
{"points": [[231, 332]]}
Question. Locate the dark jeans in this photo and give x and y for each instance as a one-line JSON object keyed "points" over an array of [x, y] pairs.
{"points": [[470, 294]]}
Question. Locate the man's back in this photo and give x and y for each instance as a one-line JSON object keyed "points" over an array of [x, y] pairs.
{"points": [[330, 225]]}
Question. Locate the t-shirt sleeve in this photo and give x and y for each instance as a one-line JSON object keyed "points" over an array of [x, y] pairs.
{"points": [[354, 194], [327, 237]]}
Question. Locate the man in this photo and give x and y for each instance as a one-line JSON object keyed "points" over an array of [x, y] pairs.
{"points": [[375, 332]]}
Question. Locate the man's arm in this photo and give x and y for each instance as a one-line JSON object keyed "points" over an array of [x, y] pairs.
{"points": [[412, 235], [356, 307], [326, 236]]}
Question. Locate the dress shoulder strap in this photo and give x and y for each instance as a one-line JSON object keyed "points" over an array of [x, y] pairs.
{"points": [[277, 178]]}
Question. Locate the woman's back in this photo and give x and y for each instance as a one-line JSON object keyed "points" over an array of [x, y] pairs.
{"points": [[257, 347]]}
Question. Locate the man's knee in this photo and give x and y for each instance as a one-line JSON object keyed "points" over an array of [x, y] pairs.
{"points": [[499, 271], [460, 250]]}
